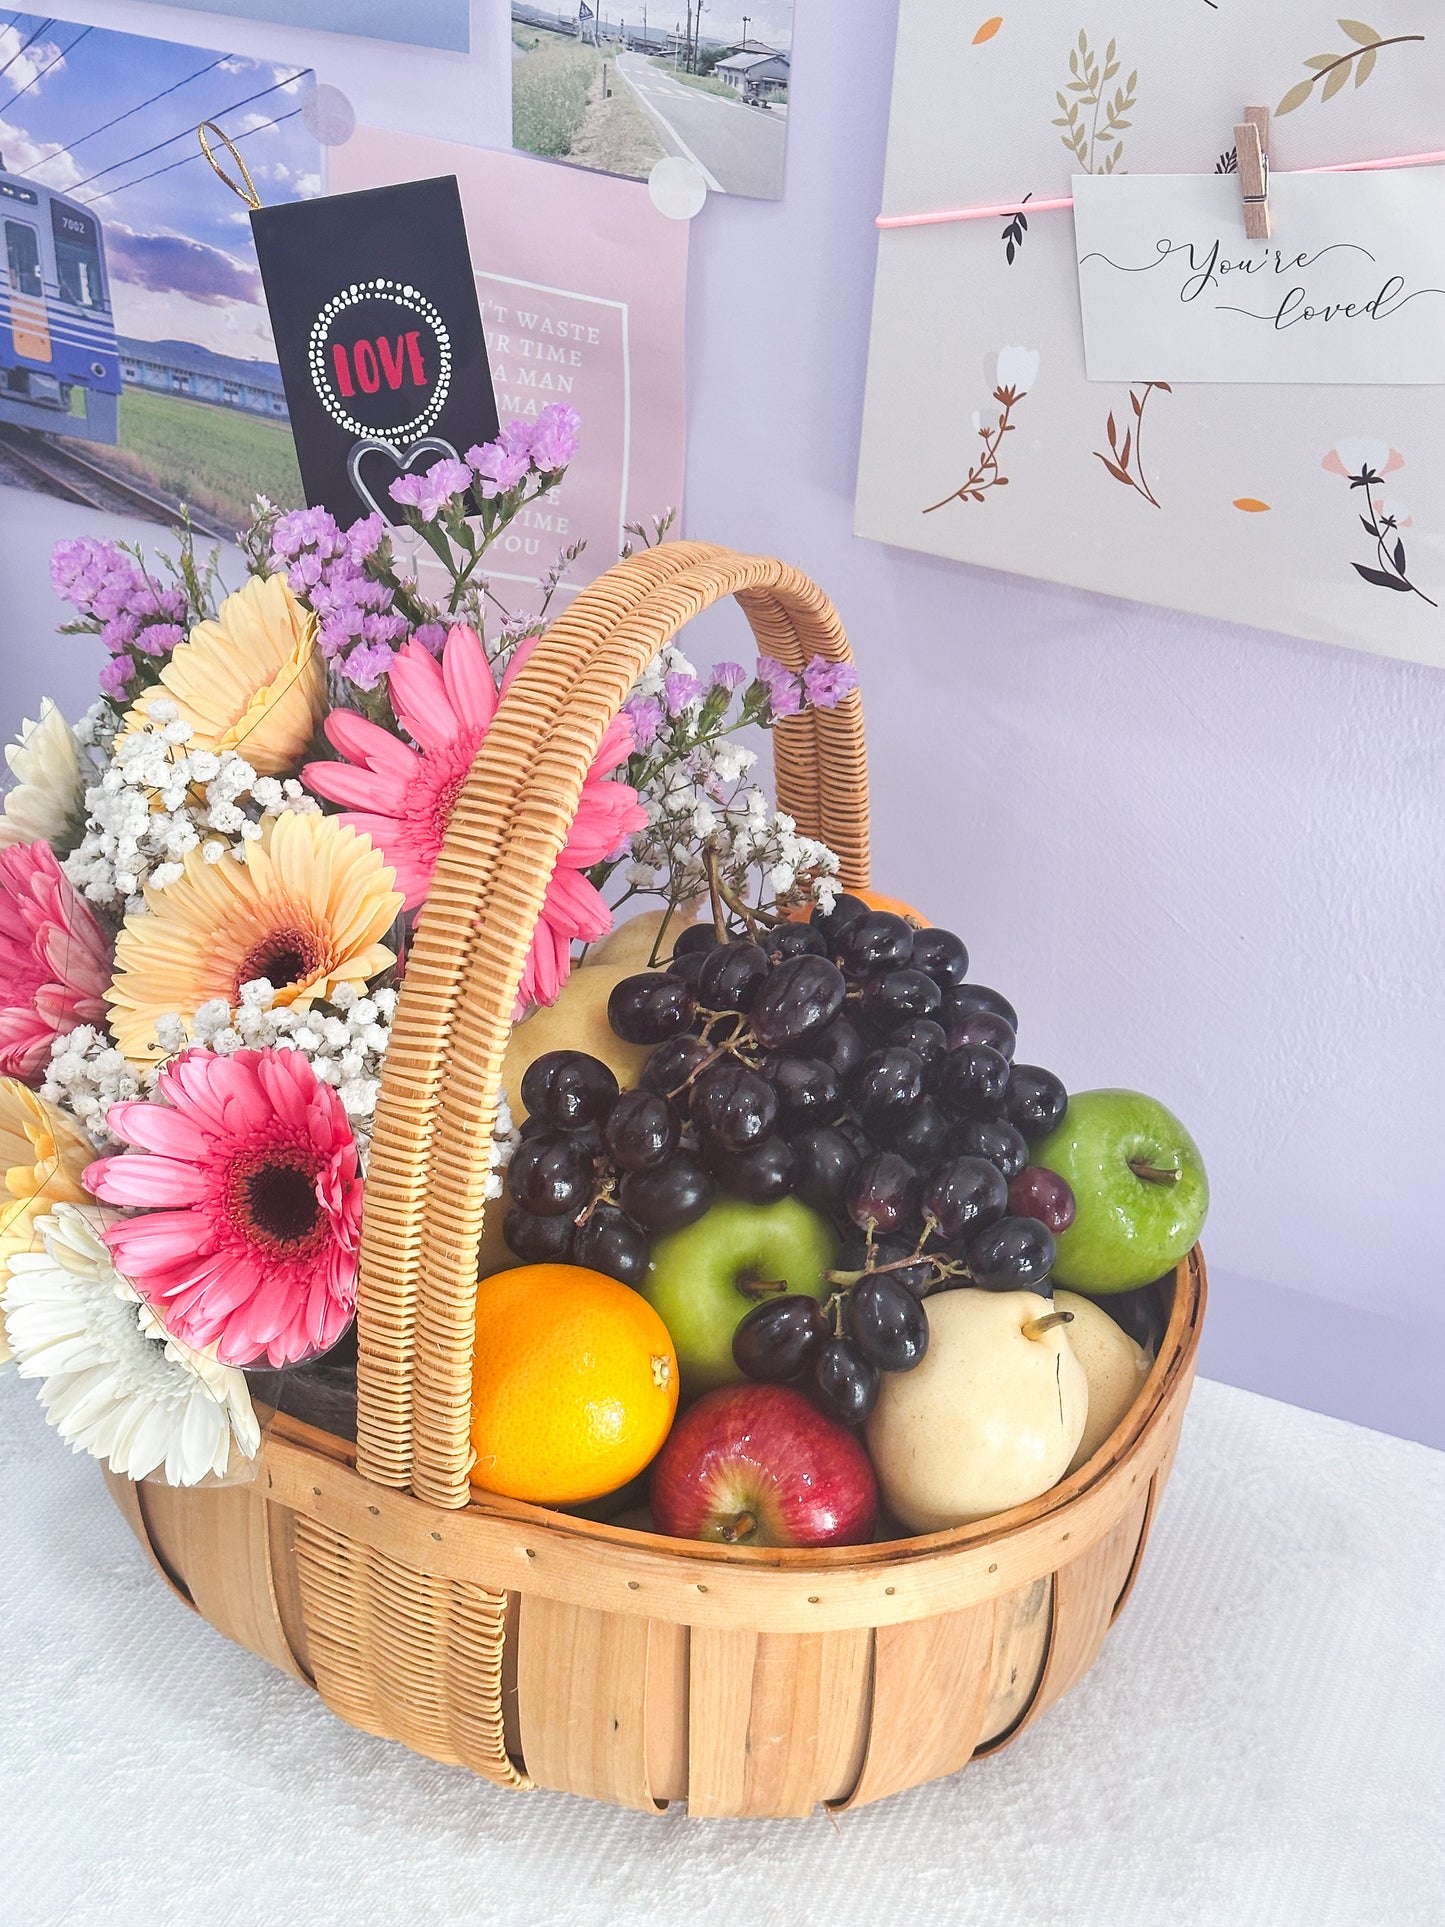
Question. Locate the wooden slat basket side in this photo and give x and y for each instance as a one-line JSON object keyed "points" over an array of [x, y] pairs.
{"points": [[536, 1648]]}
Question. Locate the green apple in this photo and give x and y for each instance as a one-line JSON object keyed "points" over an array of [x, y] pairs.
{"points": [[1139, 1185], [706, 1278]]}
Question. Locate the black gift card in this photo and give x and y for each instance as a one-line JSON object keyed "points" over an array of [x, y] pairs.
{"points": [[379, 336]]}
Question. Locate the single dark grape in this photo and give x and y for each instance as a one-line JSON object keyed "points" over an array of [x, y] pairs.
{"points": [[993, 1139], [687, 967], [873, 942], [888, 1085], [964, 999], [650, 1008], [922, 1135], [823, 1161], [779, 1339], [642, 1131], [923, 1036], [883, 1192], [971, 1081], [845, 910], [587, 1136], [893, 996], [850, 1128], [540, 1241], [731, 976], [695, 940], [610, 1242], [1041, 1194], [807, 1089], [1035, 1101], [550, 1175], [671, 1067], [568, 1088], [983, 1027], [941, 955], [963, 1195], [759, 1175], [842, 1383], [800, 999], [1015, 1254], [887, 1323], [840, 1045], [732, 1105], [668, 1196], [786, 940]]}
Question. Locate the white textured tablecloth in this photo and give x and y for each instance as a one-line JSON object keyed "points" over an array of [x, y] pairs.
{"points": [[1262, 1743]]}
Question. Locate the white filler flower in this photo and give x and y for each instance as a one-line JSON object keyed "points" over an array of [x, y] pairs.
{"points": [[114, 1383]]}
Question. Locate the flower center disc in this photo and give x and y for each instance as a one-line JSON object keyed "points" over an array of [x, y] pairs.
{"points": [[282, 957], [274, 1199]]}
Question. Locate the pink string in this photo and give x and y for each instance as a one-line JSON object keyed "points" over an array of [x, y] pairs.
{"points": [[1067, 200]]}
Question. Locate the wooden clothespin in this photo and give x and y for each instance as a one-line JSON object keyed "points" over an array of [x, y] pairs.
{"points": [[1251, 147]]}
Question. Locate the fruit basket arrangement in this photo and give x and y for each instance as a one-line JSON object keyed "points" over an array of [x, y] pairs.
{"points": [[747, 1384]]}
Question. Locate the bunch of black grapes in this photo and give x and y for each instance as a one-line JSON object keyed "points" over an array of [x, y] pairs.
{"points": [[847, 1062]]}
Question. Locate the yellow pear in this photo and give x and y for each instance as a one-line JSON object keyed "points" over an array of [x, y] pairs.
{"points": [[577, 1021], [1113, 1364], [631, 942], [989, 1420]]}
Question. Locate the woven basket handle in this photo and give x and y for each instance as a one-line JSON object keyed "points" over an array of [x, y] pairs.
{"points": [[426, 1182]]}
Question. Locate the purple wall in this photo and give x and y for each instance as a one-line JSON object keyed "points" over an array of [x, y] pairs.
{"points": [[1202, 860]]}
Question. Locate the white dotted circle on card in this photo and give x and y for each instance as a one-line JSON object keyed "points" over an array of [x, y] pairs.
{"points": [[677, 187], [405, 296]]}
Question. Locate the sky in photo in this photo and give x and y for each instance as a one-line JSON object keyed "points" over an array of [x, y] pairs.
{"points": [[427, 23], [109, 119]]}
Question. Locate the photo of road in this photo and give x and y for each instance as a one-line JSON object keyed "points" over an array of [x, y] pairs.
{"points": [[617, 95], [740, 148]]}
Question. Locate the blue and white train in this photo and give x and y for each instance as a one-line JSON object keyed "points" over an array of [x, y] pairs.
{"points": [[59, 361]]}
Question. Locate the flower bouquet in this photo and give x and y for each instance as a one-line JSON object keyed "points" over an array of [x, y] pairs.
{"points": [[208, 886]]}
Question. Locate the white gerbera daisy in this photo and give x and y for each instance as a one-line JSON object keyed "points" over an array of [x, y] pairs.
{"points": [[48, 797], [115, 1383]]}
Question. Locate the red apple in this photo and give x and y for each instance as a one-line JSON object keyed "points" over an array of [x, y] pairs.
{"points": [[757, 1465]]}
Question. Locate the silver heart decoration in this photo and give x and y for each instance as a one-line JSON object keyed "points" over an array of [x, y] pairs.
{"points": [[405, 460]]}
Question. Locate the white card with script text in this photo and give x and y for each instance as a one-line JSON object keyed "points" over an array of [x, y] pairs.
{"points": [[1349, 289]]}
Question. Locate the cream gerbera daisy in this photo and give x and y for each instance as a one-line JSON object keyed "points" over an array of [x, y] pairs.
{"points": [[251, 680], [48, 793], [114, 1382], [42, 1154], [306, 910]]}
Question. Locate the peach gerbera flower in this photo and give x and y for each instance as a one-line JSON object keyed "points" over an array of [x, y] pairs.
{"points": [[403, 797], [42, 1156], [254, 1166], [306, 910], [251, 679], [54, 959]]}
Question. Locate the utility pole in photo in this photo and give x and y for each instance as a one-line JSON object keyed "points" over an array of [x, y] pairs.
{"points": [[697, 37]]}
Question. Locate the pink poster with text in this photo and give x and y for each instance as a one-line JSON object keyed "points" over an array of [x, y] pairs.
{"points": [[582, 284]]}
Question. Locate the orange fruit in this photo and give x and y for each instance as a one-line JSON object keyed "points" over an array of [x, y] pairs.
{"points": [[574, 1384], [875, 900]]}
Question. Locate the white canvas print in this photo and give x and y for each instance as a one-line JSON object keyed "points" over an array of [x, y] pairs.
{"points": [[1317, 507]]}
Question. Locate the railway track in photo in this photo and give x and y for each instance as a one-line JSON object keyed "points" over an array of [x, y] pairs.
{"points": [[31, 459]]}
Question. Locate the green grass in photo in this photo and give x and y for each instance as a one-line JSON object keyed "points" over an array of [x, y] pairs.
{"points": [[214, 459], [550, 88]]}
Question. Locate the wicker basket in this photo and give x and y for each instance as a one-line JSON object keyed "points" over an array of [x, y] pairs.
{"points": [[538, 1648]]}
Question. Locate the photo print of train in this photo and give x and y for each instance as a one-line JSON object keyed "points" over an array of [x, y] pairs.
{"points": [[137, 369], [615, 85]]}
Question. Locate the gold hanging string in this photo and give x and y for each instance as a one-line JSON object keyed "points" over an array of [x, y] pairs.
{"points": [[247, 193]]}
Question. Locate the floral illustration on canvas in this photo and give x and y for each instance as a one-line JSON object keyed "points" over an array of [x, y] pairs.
{"points": [[1094, 120], [1125, 460], [1332, 71], [1017, 371], [1364, 463]]}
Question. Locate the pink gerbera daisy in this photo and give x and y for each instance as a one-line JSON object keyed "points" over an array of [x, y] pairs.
{"points": [[54, 960], [401, 798], [253, 1163]]}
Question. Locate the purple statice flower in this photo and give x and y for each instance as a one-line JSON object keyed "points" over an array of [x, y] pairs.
{"points": [[827, 683], [115, 676], [432, 493], [728, 675], [554, 437], [351, 608], [368, 663], [431, 635], [365, 537], [785, 695], [160, 638], [304, 531], [111, 589], [499, 468], [647, 719], [678, 690]]}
